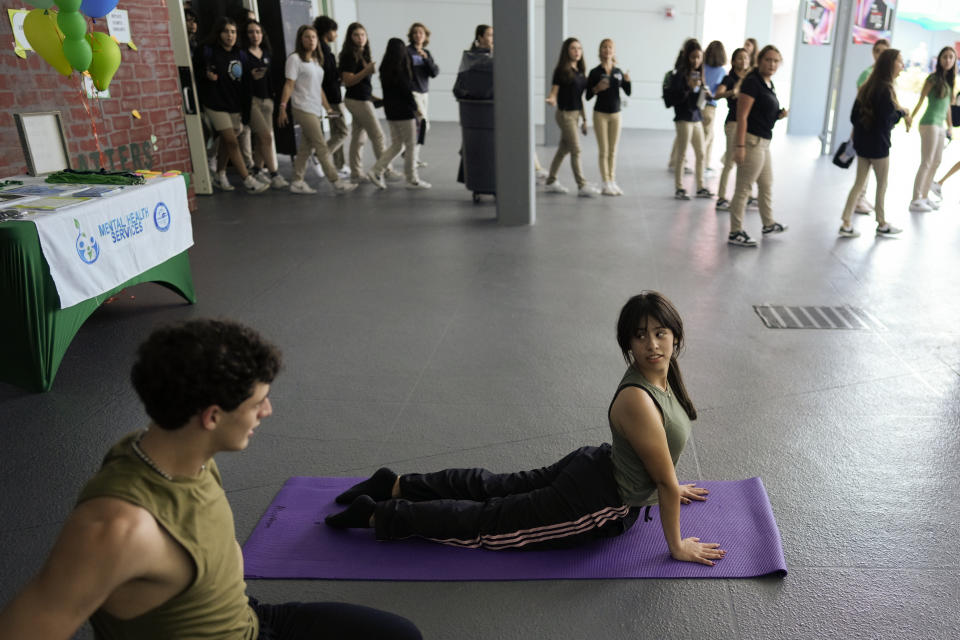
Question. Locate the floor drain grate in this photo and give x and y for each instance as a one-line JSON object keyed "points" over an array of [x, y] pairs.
{"points": [[781, 316]]}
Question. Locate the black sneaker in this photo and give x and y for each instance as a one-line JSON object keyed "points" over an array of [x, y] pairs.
{"points": [[704, 193], [723, 204], [681, 194], [776, 227], [888, 230], [741, 239], [753, 203]]}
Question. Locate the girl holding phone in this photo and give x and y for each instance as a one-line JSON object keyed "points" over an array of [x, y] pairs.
{"points": [[605, 82], [566, 94]]}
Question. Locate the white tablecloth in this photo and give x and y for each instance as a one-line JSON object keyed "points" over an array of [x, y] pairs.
{"points": [[98, 245]]}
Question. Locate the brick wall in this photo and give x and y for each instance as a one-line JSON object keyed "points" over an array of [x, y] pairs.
{"points": [[146, 81]]}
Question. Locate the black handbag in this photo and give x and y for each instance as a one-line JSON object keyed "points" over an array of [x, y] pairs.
{"points": [[955, 114], [845, 154]]}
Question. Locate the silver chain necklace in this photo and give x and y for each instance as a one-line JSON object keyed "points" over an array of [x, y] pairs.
{"points": [[147, 459]]}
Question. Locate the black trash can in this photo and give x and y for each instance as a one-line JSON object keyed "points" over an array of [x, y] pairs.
{"points": [[477, 151]]}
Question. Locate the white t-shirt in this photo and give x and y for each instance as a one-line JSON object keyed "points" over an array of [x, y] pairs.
{"points": [[307, 78]]}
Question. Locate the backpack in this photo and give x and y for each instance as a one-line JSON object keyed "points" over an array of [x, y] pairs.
{"points": [[667, 94]]}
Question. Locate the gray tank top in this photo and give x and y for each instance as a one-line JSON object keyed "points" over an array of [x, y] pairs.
{"points": [[636, 486]]}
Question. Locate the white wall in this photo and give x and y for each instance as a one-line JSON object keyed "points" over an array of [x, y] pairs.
{"points": [[647, 42]]}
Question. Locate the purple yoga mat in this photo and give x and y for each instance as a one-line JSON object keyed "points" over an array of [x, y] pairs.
{"points": [[287, 543]]}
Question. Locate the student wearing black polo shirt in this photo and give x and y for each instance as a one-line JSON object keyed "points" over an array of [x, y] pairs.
{"points": [[396, 79], [729, 88], [327, 30], [875, 112], [356, 67], [604, 82], [424, 68], [687, 91], [257, 46], [757, 111], [566, 94]]}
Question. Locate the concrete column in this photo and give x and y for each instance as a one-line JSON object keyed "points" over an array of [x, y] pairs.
{"points": [[555, 31], [513, 111]]}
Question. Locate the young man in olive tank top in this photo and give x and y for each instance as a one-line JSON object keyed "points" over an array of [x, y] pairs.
{"points": [[149, 551]]}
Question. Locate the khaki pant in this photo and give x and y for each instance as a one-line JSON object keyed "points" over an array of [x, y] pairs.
{"points": [[364, 124], [607, 128], [708, 112], [730, 131], [569, 143], [311, 132], [403, 136], [261, 123], [756, 167], [338, 129], [687, 133], [881, 167], [932, 137]]}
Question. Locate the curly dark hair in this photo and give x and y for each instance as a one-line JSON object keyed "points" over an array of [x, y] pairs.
{"points": [[182, 369]]}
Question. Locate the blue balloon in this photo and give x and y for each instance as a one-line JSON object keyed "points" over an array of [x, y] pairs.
{"points": [[97, 8]]}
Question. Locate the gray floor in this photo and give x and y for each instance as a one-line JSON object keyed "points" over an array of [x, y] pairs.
{"points": [[420, 334]]}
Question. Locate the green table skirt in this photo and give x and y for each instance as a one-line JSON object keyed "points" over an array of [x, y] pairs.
{"points": [[34, 331]]}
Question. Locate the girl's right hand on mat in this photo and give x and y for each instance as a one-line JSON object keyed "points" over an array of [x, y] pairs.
{"points": [[692, 550]]}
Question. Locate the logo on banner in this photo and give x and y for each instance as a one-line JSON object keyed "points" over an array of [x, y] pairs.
{"points": [[87, 247], [161, 217]]}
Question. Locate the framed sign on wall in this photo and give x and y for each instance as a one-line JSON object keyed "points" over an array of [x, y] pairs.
{"points": [[43, 141]]}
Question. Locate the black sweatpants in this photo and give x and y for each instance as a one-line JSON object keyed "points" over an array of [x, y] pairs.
{"points": [[317, 620], [564, 505]]}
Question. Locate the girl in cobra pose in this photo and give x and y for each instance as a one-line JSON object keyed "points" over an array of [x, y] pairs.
{"points": [[604, 82], [592, 493], [937, 91]]}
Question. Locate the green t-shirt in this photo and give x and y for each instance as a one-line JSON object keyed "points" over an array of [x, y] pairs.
{"points": [[195, 512], [937, 108], [863, 76], [637, 488]]}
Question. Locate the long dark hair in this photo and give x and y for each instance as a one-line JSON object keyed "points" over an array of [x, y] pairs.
{"points": [[563, 63], [350, 54], [264, 40], [879, 82], [395, 68], [478, 33], [213, 38], [944, 79], [652, 304], [682, 65]]}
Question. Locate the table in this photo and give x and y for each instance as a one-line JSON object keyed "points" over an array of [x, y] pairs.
{"points": [[34, 331]]}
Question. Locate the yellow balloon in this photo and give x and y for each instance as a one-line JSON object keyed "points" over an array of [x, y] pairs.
{"points": [[40, 28], [106, 59]]}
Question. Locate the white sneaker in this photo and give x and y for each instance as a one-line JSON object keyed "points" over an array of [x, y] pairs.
{"points": [[212, 163], [221, 182], [301, 187], [588, 191], [278, 182], [344, 172], [421, 164], [392, 175], [261, 175], [616, 188], [933, 204], [863, 206], [419, 184], [252, 185], [920, 206], [888, 230], [935, 187], [542, 176], [344, 186], [376, 180], [556, 187], [360, 179], [608, 189]]}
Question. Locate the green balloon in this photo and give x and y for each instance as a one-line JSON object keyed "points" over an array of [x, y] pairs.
{"points": [[78, 53], [42, 4], [72, 24], [106, 59], [68, 6]]}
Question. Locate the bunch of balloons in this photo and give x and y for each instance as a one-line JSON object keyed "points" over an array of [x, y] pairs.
{"points": [[61, 38]]}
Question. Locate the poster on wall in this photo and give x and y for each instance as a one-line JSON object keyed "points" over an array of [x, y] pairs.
{"points": [[818, 18], [872, 20]]}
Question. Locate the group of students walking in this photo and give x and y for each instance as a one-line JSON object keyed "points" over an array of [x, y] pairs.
{"points": [[236, 89]]}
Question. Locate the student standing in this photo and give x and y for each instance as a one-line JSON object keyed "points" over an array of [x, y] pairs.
{"points": [[304, 87], [356, 67], [327, 31], [863, 205], [687, 91], [729, 89], [424, 68], [875, 112], [396, 79], [714, 58], [566, 94], [938, 91], [261, 106], [758, 110], [224, 100], [604, 82]]}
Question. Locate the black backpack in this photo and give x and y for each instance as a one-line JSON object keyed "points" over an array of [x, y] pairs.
{"points": [[668, 100]]}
